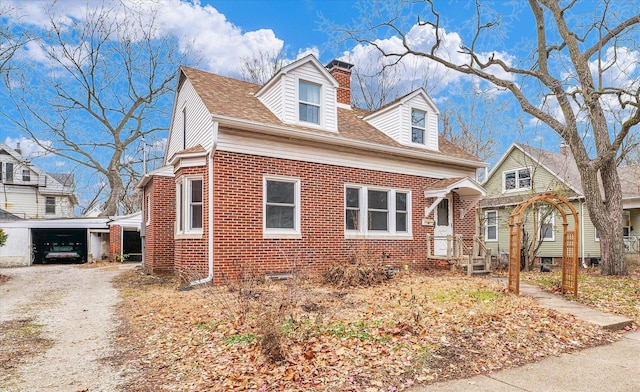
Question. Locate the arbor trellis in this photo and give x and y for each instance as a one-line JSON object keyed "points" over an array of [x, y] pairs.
{"points": [[570, 242]]}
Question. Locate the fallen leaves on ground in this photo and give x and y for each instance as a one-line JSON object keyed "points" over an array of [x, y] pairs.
{"points": [[416, 329], [612, 294]]}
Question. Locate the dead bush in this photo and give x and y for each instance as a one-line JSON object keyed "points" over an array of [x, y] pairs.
{"points": [[270, 334], [343, 275]]}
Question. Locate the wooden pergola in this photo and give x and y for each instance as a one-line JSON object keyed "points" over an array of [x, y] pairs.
{"points": [[569, 242]]}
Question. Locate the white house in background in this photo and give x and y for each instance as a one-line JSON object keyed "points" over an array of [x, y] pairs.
{"points": [[30, 193]]}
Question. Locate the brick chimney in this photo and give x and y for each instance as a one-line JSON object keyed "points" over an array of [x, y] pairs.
{"points": [[342, 72]]}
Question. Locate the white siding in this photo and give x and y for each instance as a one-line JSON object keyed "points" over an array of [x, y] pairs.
{"points": [[236, 142], [274, 100], [432, 129], [28, 203], [199, 124], [328, 106], [391, 124], [396, 122], [20, 201]]}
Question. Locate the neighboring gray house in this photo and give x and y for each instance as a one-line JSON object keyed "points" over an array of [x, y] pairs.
{"points": [[28, 192]]}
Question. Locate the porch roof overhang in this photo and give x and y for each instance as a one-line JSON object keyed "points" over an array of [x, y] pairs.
{"points": [[465, 187]]}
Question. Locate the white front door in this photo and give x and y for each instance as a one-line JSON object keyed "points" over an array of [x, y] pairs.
{"points": [[443, 227]]}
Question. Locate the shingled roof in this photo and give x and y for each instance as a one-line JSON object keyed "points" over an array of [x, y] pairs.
{"points": [[561, 164], [564, 166], [234, 98], [6, 216]]}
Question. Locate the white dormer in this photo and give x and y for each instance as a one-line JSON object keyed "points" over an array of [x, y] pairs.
{"points": [[411, 120], [303, 93]]}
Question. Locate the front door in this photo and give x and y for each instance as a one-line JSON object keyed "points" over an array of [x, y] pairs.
{"points": [[443, 227]]}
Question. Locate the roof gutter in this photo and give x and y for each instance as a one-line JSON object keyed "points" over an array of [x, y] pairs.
{"points": [[291, 133]]}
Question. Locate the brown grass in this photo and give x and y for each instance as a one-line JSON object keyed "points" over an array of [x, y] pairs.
{"points": [[415, 329]]}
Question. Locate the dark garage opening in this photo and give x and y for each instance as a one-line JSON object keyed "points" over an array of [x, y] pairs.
{"points": [[59, 246], [132, 245]]}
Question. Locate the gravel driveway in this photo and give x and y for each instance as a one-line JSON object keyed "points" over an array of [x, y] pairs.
{"points": [[76, 308]]}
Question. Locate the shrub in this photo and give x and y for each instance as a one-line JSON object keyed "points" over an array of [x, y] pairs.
{"points": [[353, 275], [3, 237]]}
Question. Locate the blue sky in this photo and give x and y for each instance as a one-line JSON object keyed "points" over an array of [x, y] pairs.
{"points": [[223, 32]]}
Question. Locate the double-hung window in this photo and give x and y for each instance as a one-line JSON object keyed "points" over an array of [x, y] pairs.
{"points": [[546, 224], [281, 207], [418, 126], [148, 210], [189, 201], [309, 102], [50, 205], [491, 225], [8, 172], [374, 211], [26, 175], [519, 179]]}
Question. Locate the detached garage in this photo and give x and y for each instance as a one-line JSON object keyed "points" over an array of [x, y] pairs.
{"points": [[44, 241], [51, 246]]}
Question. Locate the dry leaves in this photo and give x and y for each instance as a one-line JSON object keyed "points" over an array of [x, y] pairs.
{"points": [[612, 294], [416, 329]]}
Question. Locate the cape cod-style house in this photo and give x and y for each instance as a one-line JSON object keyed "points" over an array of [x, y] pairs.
{"points": [[289, 176]]}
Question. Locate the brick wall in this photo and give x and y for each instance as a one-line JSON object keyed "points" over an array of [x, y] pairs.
{"points": [[239, 246], [115, 243], [191, 254], [239, 243], [159, 244]]}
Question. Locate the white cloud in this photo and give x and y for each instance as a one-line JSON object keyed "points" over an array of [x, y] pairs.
{"points": [[201, 31], [307, 51], [30, 149], [417, 71]]}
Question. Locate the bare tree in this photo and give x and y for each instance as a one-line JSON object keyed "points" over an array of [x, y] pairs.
{"points": [[479, 124], [105, 87], [260, 67], [566, 71], [11, 39]]}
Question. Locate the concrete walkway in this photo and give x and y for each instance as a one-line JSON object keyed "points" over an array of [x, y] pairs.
{"points": [[612, 368]]}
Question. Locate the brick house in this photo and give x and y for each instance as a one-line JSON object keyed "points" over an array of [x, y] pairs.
{"points": [[288, 176]]}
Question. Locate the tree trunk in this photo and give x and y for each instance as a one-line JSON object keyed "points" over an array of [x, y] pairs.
{"points": [[606, 216], [116, 189]]}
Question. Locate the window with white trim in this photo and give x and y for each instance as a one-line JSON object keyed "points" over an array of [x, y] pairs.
{"points": [[8, 175], [281, 206], [546, 219], [50, 205], [491, 225], [189, 202], [514, 180], [26, 175], [377, 211], [309, 102], [148, 210], [418, 126], [626, 223]]}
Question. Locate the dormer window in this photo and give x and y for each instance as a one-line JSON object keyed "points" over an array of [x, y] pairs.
{"points": [[417, 126], [309, 102]]}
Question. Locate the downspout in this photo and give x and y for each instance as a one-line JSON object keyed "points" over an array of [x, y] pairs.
{"points": [[584, 265], [209, 277]]}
